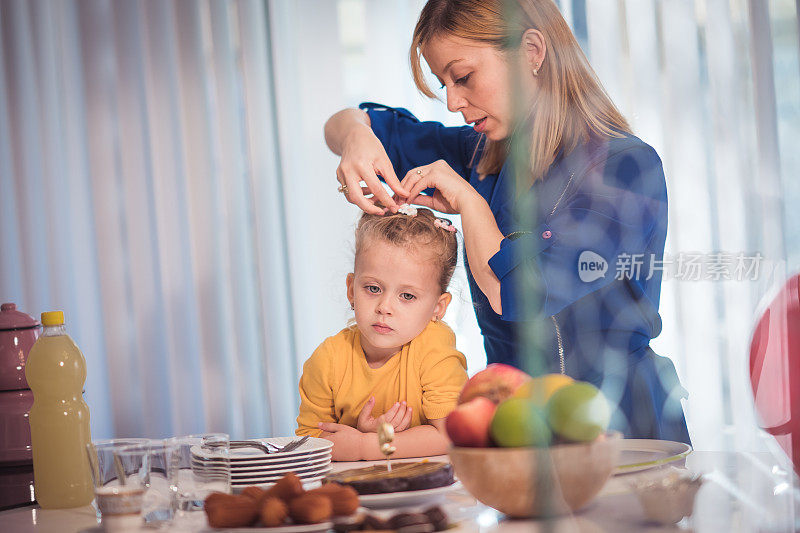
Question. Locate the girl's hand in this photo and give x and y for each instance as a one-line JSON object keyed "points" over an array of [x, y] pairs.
{"points": [[366, 422], [349, 444], [333, 427], [399, 416], [364, 159], [452, 191]]}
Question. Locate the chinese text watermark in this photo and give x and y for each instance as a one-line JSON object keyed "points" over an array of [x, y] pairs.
{"points": [[683, 266]]}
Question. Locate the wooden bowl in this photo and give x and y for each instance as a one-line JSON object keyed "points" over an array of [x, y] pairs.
{"points": [[532, 482]]}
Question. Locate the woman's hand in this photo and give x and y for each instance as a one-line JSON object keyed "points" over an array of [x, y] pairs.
{"points": [[399, 416], [451, 190], [364, 159]]}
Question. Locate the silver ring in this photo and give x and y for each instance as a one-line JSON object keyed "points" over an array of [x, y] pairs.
{"points": [[343, 189]]}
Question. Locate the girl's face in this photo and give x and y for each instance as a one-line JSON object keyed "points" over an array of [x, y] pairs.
{"points": [[396, 294], [477, 78]]}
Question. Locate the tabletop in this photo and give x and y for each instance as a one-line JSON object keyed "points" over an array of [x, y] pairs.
{"points": [[742, 492]]}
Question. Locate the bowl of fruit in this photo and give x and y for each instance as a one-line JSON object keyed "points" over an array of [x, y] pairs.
{"points": [[531, 447]]}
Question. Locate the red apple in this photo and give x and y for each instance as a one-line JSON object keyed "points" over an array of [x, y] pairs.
{"points": [[468, 424], [496, 382]]}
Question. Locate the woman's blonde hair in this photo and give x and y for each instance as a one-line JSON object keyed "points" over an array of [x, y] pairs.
{"points": [[417, 233], [570, 105]]}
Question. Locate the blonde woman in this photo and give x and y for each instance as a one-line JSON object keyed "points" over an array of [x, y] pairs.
{"points": [[573, 249]]}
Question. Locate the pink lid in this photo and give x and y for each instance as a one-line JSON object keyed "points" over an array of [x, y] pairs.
{"points": [[10, 318]]}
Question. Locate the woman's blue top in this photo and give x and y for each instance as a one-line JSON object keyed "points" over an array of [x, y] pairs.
{"points": [[580, 279]]}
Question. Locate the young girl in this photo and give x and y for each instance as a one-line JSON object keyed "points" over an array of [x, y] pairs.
{"points": [[399, 362]]}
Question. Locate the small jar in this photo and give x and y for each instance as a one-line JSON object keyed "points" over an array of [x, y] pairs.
{"points": [[668, 496]]}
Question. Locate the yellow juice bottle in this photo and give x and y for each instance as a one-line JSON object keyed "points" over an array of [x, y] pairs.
{"points": [[59, 418]]}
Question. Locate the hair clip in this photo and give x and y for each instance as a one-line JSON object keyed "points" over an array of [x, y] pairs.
{"points": [[408, 210], [444, 224]]}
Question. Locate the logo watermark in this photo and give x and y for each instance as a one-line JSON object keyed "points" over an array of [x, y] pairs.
{"points": [[591, 266], [684, 266]]}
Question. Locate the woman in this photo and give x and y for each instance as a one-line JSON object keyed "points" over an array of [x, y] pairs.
{"points": [[563, 258]]}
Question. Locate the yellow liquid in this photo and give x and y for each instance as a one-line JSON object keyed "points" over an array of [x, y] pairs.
{"points": [[59, 419]]}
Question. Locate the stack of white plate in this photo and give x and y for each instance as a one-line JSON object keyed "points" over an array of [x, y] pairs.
{"points": [[250, 466]]}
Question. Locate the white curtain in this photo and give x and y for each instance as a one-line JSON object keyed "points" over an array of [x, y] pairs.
{"points": [[164, 180], [140, 194]]}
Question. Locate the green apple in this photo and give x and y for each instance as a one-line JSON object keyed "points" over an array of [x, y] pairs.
{"points": [[519, 422], [578, 412]]}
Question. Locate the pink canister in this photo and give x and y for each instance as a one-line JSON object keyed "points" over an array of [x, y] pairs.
{"points": [[18, 332], [15, 431]]}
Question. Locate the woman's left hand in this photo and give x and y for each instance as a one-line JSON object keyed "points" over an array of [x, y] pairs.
{"points": [[451, 190]]}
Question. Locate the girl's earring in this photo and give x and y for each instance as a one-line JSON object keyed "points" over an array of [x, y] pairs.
{"points": [[352, 306], [435, 318], [536, 69]]}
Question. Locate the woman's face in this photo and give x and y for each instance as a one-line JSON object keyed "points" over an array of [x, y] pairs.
{"points": [[477, 79]]}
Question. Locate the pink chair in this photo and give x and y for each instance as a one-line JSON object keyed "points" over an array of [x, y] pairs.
{"points": [[775, 369]]}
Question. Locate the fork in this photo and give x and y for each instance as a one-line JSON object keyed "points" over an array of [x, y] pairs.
{"points": [[289, 447], [250, 444], [255, 444]]}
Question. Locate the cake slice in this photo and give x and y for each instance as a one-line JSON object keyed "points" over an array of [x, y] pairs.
{"points": [[406, 476]]}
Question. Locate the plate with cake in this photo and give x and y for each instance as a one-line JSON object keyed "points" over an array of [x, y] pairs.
{"points": [[406, 484]]}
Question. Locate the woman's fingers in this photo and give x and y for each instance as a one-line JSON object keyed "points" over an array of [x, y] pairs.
{"points": [[417, 180], [386, 170], [378, 192], [419, 186], [411, 178], [423, 200], [373, 198], [356, 196]]}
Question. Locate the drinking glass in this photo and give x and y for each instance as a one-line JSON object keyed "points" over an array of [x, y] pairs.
{"points": [[118, 494], [148, 463], [197, 465]]}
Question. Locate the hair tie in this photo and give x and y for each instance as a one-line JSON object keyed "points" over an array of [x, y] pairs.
{"points": [[407, 210], [444, 224]]}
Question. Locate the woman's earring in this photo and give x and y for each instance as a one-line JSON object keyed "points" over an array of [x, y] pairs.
{"points": [[352, 306], [435, 318], [536, 69]]}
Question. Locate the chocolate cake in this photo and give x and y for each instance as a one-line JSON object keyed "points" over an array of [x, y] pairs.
{"points": [[433, 519], [404, 476]]}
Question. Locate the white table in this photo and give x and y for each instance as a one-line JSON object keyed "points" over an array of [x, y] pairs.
{"points": [[743, 493]]}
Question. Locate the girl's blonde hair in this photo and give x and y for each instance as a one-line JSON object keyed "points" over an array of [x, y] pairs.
{"points": [[570, 105], [417, 233]]}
